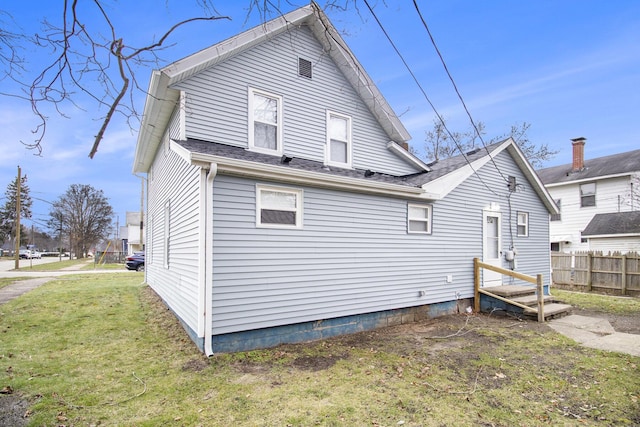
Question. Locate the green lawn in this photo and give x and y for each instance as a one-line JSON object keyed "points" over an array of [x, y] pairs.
{"points": [[100, 349], [598, 302]]}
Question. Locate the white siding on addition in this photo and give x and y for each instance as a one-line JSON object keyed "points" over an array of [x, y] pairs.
{"points": [[611, 195]]}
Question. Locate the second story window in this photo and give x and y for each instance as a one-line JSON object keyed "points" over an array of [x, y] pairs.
{"points": [[588, 195], [338, 140], [265, 122]]}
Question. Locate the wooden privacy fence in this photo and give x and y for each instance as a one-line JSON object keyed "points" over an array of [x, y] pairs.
{"points": [[592, 271]]}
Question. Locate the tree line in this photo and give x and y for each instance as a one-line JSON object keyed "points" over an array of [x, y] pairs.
{"points": [[80, 218]]}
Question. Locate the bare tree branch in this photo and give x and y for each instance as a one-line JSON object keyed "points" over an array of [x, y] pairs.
{"points": [[83, 55]]}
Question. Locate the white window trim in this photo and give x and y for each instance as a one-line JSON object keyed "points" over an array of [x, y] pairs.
{"points": [[327, 150], [252, 147], [427, 220], [582, 196], [525, 224], [298, 210]]}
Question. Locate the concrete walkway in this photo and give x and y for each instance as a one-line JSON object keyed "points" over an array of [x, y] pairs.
{"points": [[16, 289], [596, 333], [39, 278]]}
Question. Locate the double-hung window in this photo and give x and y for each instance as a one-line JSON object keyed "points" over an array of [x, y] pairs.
{"points": [[278, 207], [265, 122], [338, 151], [523, 224], [587, 195], [419, 219]]}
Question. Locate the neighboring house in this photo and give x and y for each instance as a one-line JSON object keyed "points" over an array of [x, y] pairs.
{"points": [[133, 233], [582, 189], [614, 232], [282, 205]]}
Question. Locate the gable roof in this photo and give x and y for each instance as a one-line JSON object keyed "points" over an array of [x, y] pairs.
{"points": [[617, 223], [447, 174], [600, 167], [161, 99]]}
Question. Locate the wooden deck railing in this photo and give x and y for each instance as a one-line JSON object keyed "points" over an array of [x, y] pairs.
{"points": [[477, 265]]}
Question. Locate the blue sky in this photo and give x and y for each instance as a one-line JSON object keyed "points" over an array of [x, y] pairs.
{"points": [[570, 68]]}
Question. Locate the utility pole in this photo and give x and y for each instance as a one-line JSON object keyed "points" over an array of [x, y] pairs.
{"points": [[17, 254], [141, 211], [60, 240]]}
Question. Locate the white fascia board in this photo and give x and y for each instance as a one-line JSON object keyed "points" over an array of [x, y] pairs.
{"points": [[219, 52], [404, 154], [355, 73], [533, 177], [258, 170], [442, 186], [158, 107], [600, 236], [592, 179]]}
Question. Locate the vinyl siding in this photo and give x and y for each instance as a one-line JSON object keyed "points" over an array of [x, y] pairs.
{"points": [[576, 218], [216, 102], [354, 255], [174, 181], [615, 244]]}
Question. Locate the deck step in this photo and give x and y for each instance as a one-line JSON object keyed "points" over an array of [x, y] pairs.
{"points": [[510, 291], [532, 299], [550, 310]]}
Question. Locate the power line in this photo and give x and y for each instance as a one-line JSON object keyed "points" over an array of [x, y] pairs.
{"points": [[455, 87], [424, 94]]}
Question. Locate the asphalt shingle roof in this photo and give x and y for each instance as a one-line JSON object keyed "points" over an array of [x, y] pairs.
{"points": [[614, 223], [602, 166], [438, 169]]}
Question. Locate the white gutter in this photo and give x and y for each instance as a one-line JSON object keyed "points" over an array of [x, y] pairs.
{"points": [[590, 179], [207, 229]]}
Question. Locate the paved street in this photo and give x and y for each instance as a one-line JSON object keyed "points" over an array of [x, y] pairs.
{"points": [[6, 265]]}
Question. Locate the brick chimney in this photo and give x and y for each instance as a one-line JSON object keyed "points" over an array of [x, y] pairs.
{"points": [[578, 154]]}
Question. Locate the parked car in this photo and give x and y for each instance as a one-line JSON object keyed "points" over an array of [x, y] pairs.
{"points": [[28, 254], [135, 262]]}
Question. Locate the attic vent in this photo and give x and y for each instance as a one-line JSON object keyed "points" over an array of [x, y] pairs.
{"points": [[304, 68]]}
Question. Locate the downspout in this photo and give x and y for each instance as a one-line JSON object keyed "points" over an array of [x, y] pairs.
{"points": [[207, 229]]}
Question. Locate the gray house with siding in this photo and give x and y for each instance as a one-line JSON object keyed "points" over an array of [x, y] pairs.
{"points": [[283, 205]]}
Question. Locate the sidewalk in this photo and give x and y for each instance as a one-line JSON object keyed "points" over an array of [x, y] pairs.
{"points": [[596, 333], [39, 278]]}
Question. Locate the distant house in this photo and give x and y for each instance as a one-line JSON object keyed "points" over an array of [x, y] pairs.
{"points": [[584, 189], [614, 232], [133, 233], [283, 205]]}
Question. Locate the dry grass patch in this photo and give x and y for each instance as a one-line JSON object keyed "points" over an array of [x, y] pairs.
{"points": [[103, 350]]}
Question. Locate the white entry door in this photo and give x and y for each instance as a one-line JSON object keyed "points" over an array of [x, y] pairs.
{"points": [[492, 242]]}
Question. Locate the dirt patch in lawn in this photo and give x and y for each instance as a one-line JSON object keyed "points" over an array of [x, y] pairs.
{"points": [[13, 410]]}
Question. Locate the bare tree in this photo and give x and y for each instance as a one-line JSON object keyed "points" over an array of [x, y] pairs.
{"points": [[537, 155], [441, 143], [84, 54], [84, 214]]}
